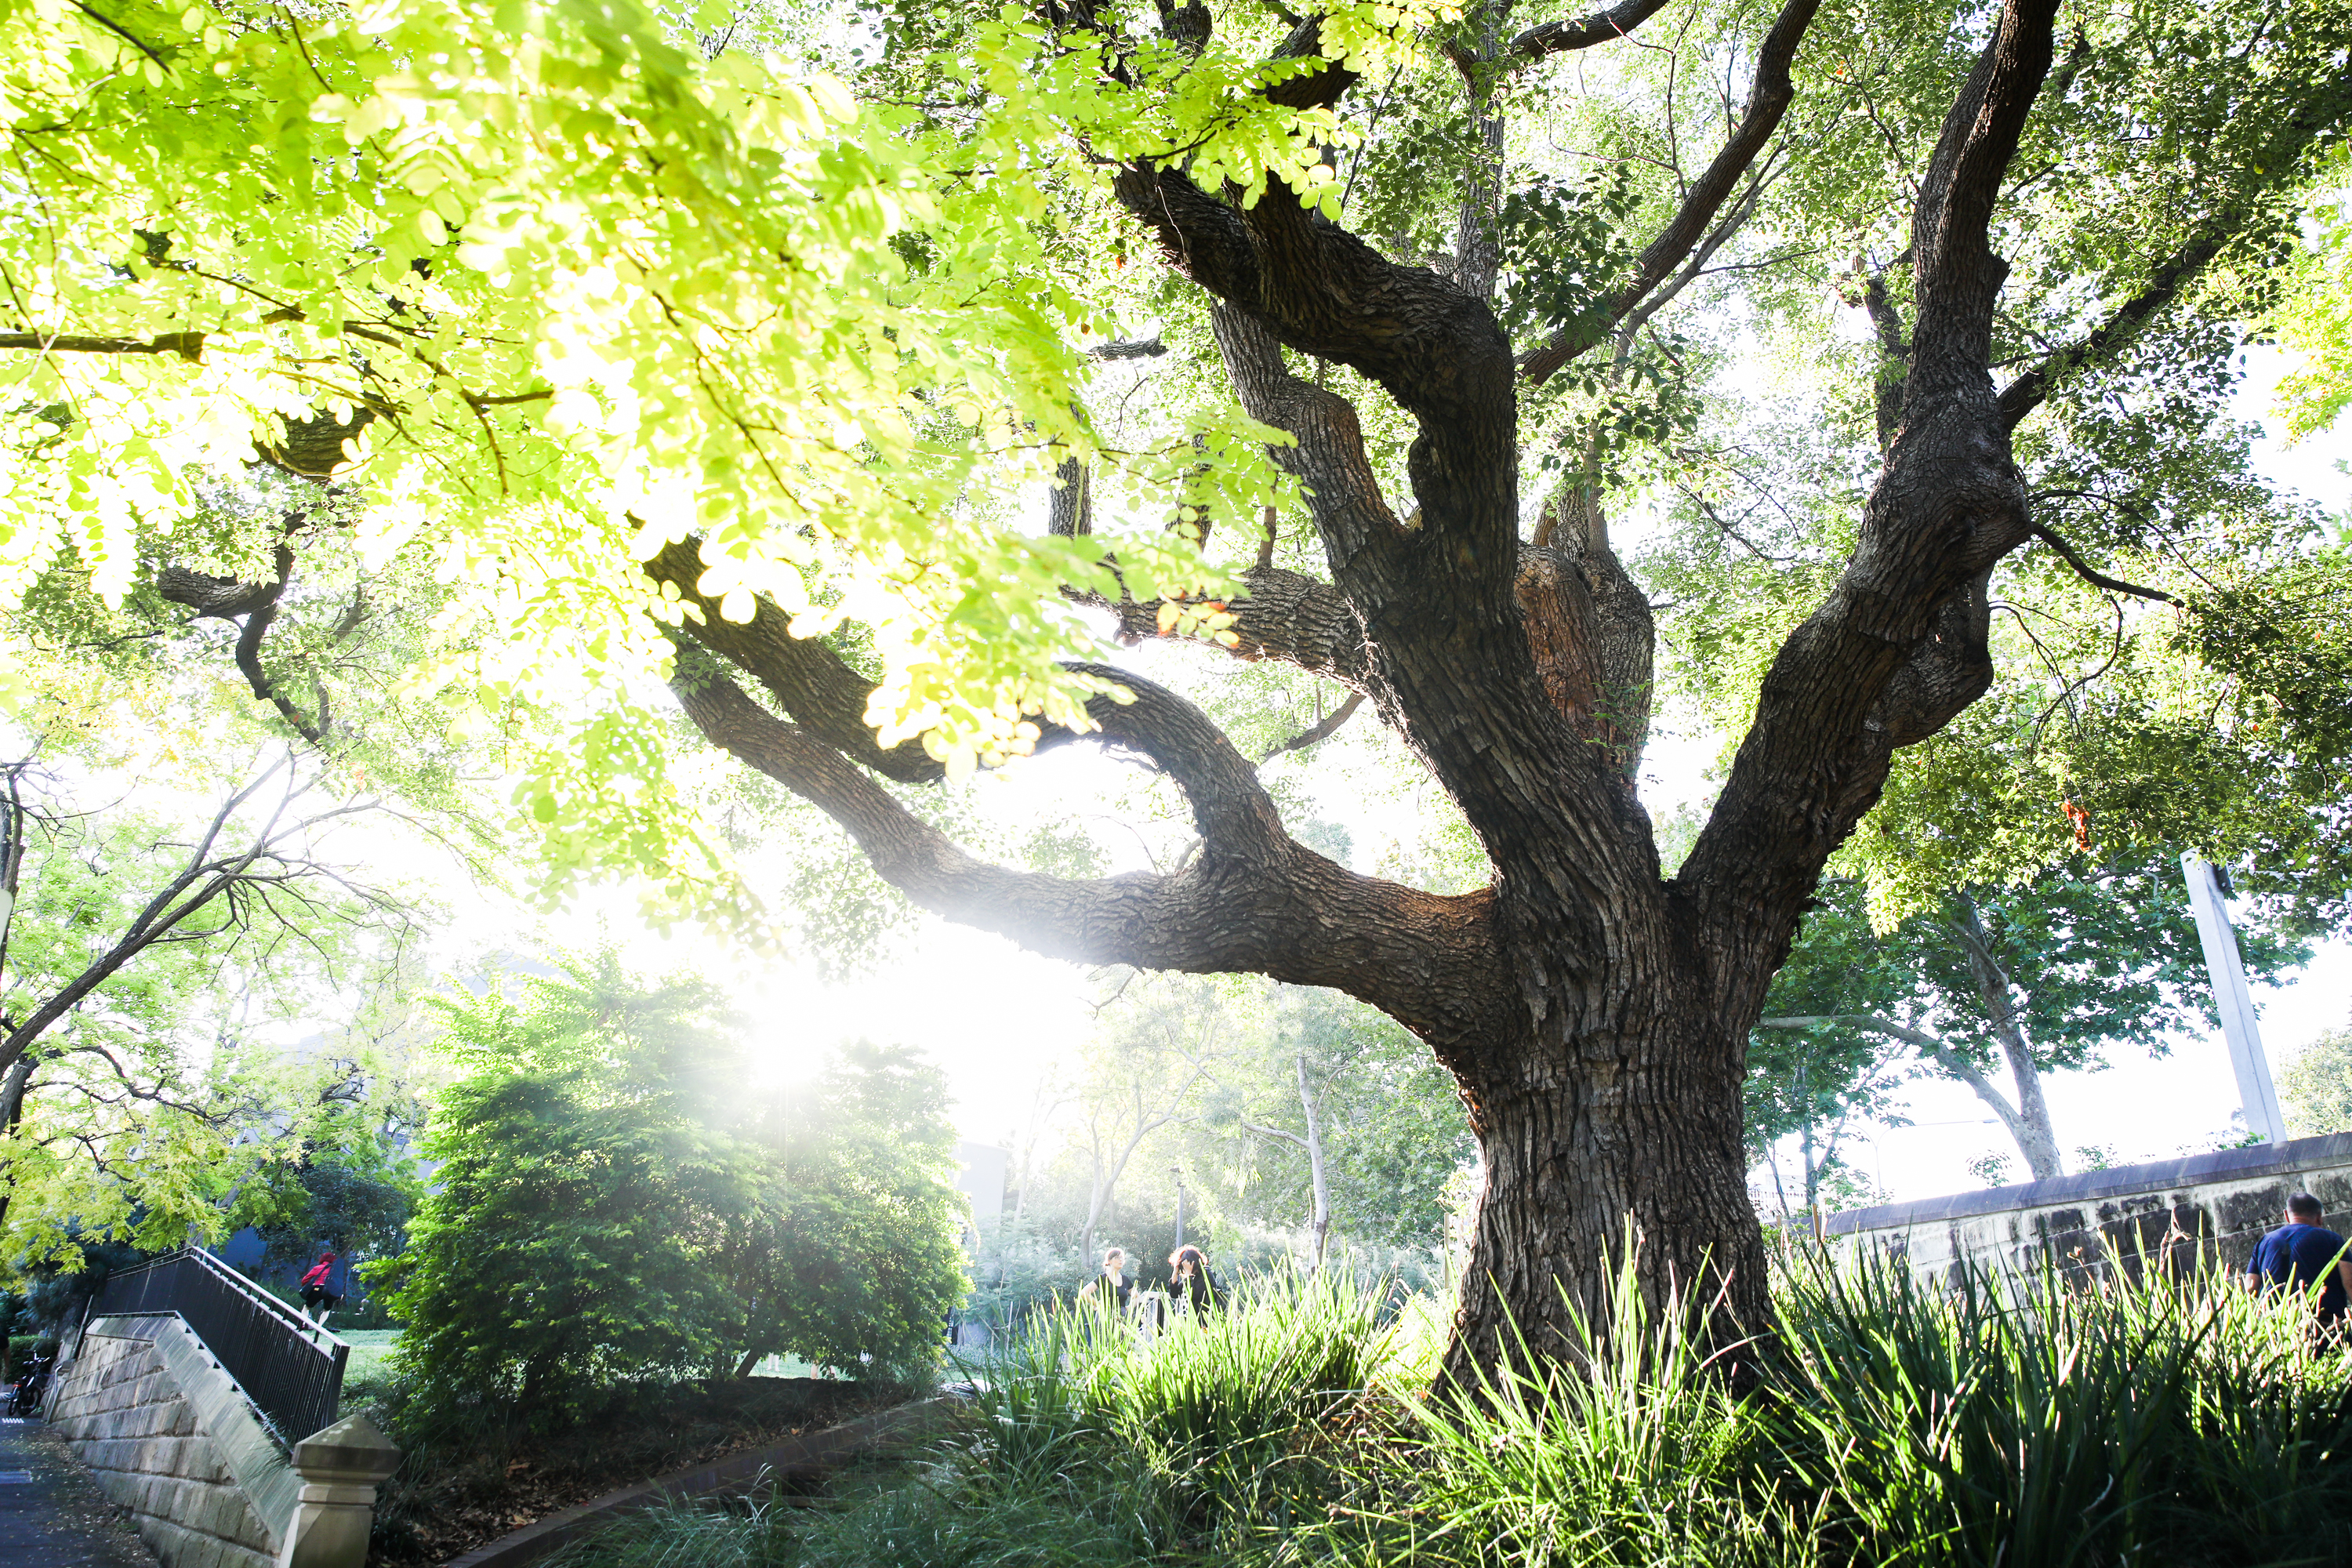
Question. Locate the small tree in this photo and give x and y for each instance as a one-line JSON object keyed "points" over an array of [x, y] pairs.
{"points": [[2315, 1090], [1380, 1126], [1813, 1085], [2042, 976], [615, 1207], [586, 1172], [1141, 1075], [850, 1254]]}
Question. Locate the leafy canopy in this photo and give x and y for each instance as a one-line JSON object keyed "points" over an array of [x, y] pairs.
{"points": [[545, 290]]}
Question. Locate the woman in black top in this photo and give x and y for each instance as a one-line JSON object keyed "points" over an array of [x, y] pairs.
{"points": [[1111, 1288]]}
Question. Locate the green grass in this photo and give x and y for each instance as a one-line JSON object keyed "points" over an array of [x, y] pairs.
{"points": [[1999, 1424], [370, 1349]]}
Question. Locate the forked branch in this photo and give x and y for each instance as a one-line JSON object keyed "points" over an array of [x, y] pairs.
{"points": [[1767, 102], [1254, 901]]}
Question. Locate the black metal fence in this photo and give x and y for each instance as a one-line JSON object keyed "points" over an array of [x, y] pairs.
{"points": [[290, 1368]]}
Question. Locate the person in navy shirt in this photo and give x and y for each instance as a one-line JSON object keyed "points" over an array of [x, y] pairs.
{"points": [[2300, 1254]]}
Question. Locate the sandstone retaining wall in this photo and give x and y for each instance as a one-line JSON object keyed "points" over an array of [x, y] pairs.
{"points": [[125, 1411], [2212, 1207], [171, 1436]]}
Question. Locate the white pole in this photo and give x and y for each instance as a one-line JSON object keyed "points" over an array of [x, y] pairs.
{"points": [[2231, 1001]]}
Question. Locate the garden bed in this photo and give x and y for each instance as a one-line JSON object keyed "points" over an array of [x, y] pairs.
{"points": [[470, 1486]]}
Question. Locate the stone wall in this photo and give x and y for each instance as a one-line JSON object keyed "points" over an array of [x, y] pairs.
{"points": [[171, 1436], [2210, 1208], [134, 1406]]}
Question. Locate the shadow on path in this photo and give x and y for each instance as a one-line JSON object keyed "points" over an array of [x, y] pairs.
{"points": [[58, 1518]]}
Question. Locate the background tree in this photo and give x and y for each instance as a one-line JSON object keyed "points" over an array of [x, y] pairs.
{"points": [[850, 1257], [351, 1182], [1338, 1117], [2316, 1089], [829, 448], [2044, 976], [586, 1169], [1812, 1084], [150, 965], [1140, 1074], [613, 1206]]}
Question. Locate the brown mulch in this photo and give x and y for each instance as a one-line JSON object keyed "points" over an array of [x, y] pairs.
{"points": [[442, 1504]]}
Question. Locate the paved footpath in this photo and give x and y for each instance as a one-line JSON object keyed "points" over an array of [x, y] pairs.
{"points": [[52, 1514]]}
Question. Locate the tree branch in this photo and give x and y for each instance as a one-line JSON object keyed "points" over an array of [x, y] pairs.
{"points": [[203, 878], [189, 346], [1284, 615], [2095, 578], [2029, 391], [1582, 33], [1900, 644], [2303, 122], [1245, 905], [1927, 1045], [225, 598], [1768, 102], [1274, 1132], [1894, 353], [1957, 275], [1320, 730], [810, 681]]}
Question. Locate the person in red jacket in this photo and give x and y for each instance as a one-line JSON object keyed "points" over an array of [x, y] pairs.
{"points": [[316, 1291]]}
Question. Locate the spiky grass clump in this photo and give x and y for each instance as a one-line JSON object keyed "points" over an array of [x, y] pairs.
{"points": [[2000, 1422], [2009, 1423]]}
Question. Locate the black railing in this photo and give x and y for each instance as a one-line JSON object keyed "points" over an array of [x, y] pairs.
{"points": [[291, 1369]]}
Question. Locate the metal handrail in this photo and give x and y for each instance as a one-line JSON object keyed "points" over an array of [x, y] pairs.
{"points": [[291, 1369]]}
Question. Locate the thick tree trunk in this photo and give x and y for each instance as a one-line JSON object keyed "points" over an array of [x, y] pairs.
{"points": [[1626, 1135]]}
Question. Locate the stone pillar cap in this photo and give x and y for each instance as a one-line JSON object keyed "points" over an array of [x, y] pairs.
{"points": [[354, 1446]]}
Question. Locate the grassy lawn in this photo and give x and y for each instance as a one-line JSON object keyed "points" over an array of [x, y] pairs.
{"points": [[370, 1349]]}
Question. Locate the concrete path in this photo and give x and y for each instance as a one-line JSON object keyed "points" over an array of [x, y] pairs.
{"points": [[52, 1514]]}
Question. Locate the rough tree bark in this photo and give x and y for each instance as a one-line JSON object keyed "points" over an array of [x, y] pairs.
{"points": [[1593, 1013]]}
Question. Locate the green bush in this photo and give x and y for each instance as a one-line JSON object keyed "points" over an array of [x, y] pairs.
{"points": [[615, 1208]]}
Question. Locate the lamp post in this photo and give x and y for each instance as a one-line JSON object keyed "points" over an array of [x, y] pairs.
{"points": [[1178, 1171]]}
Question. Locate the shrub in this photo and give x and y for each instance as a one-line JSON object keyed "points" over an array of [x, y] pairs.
{"points": [[614, 1208]]}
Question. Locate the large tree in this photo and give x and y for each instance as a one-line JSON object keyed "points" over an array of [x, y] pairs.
{"points": [[582, 301], [1593, 1012]]}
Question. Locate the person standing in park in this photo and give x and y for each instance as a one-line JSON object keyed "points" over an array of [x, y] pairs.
{"points": [[1189, 1281], [2301, 1253], [318, 1288], [1111, 1288]]}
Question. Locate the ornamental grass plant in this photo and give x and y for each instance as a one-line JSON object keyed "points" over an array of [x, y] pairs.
{"points": [[2046, 1422]]}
